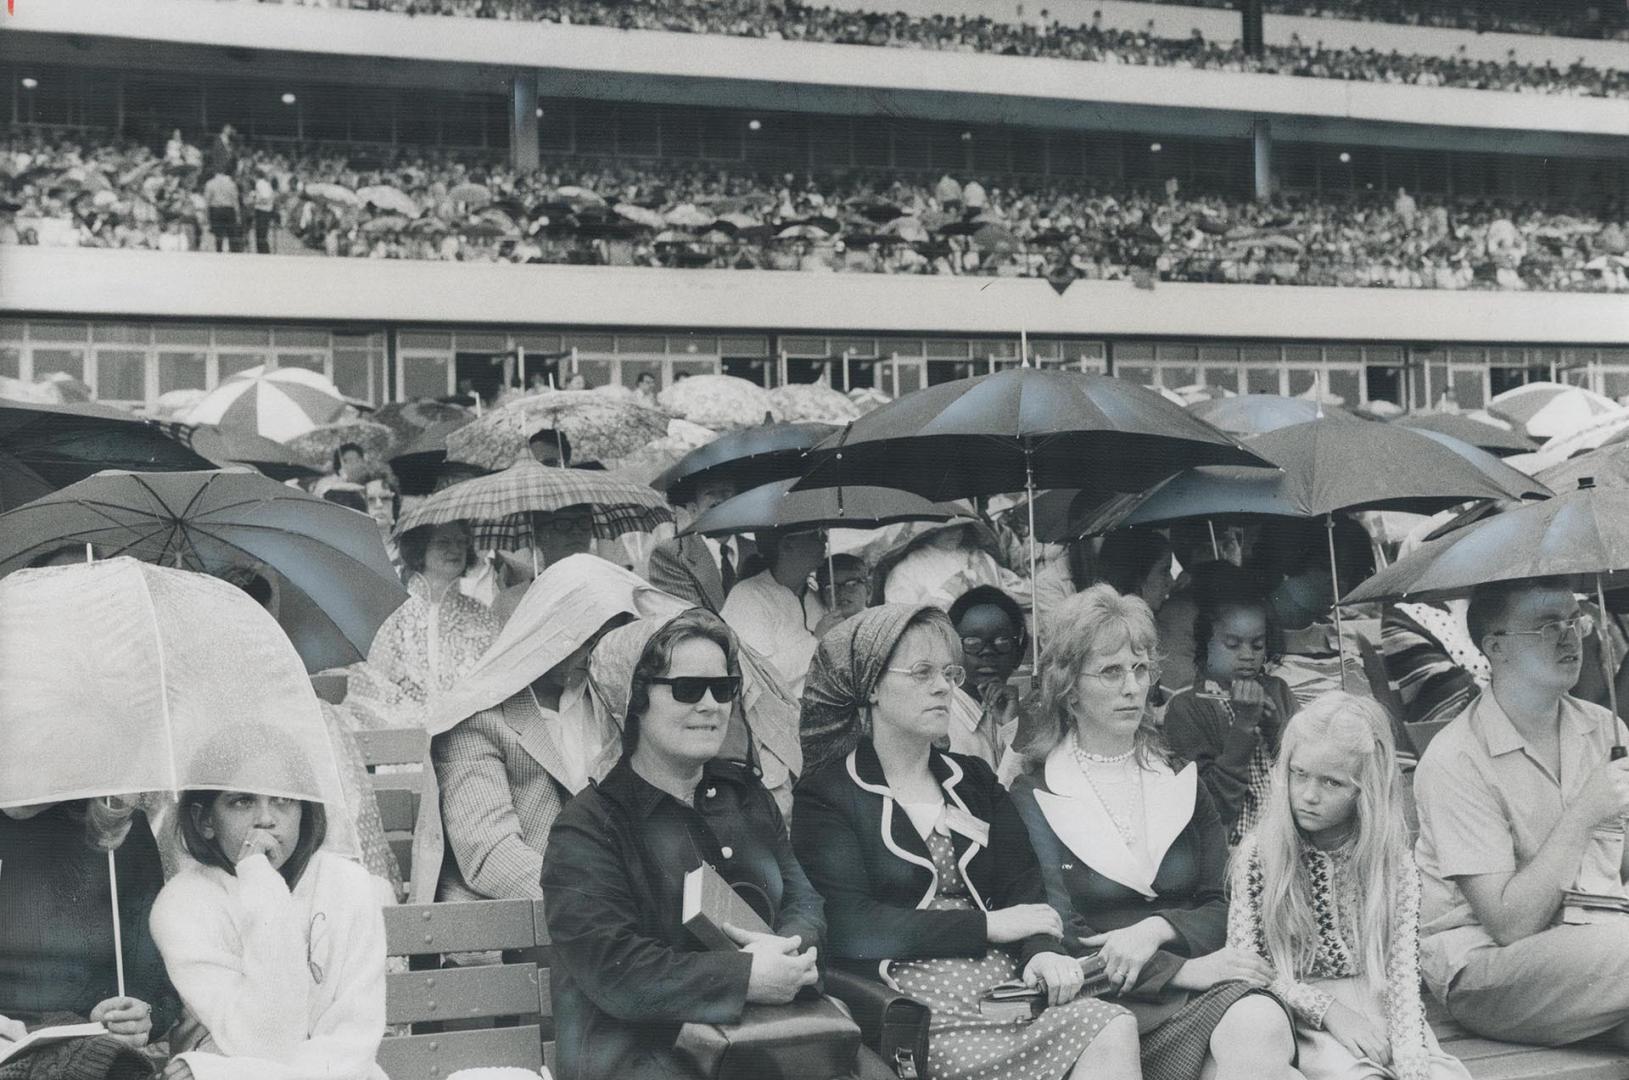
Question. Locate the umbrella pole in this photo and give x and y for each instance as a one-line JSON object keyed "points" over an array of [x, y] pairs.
{"points": [[1335, 582], [118, 930], [831, 573], [1215, 548], [1608, 669], [1035, 612]]}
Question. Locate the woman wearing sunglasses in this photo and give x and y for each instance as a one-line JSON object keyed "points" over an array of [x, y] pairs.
{"points": [[1134, 854], [929, 878], [626, 974]]}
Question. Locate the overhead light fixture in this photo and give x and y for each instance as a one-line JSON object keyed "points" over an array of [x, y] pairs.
{"points": [[1346, 159], [754, 125], [29, 82], [1155, 148], [540, 112], [288, 99]]}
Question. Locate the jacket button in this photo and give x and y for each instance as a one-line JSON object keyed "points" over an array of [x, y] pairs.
{"points": [[712, 792], [728, 853]]}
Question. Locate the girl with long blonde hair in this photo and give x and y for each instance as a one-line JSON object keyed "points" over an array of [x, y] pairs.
{"points": [[1325, 889]]}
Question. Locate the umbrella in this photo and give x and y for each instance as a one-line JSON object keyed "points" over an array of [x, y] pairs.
{"points": [[230, 446], [338, 194], [600, 427], [173, 404], [1607, 465], [778, 506], [574, 193], [279, 404], [386, 197], [813, 401], [1253, 414], [385, 223], [1605, 428], [316, 447], [741, 221], [471, 194], [688, 216], [801, 232], [419, 461], [746, 459], [640, 215], [719, 402], [1546, 409], [46, 447], [65, 389], [995, 238], [407, 420], [334, 579], [620, 505], [909, 229], [1494, 440]]}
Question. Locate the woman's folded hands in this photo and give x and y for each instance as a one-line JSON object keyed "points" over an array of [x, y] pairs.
{"points": [[779, 968]]}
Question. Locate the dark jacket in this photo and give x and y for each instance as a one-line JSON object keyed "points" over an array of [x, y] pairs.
{"points": [[1201, 730], [1094, 887], [873, 867], [684, 567], [626, 974]]}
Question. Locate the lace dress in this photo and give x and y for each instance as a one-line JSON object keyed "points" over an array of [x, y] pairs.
{"points": [[965, 1045]]}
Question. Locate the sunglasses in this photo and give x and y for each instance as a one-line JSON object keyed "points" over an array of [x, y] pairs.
{"points": [[687, 689]]}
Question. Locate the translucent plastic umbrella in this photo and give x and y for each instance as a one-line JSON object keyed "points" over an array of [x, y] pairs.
{"points": [[1548, 409], [813, 401]]}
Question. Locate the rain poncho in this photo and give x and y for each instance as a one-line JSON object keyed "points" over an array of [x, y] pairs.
{"points": [[426, 645]]}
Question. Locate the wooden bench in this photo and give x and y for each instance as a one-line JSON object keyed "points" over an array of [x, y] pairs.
{"points": [[1488, 1059], [466, 1017], [398, 791]]}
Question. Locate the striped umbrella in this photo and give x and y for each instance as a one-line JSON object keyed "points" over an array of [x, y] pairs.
{"points": [[279, 404], [498, 503]]}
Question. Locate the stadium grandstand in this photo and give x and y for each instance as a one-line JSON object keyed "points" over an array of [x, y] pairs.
{"points": [[1358, 199]]}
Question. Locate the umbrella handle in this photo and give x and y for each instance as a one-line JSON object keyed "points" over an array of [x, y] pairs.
{"points": [[118, 929], [1035, 613], [1335, 582], [1609, 670]]}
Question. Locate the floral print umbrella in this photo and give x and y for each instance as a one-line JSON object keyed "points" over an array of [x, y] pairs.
{"points": [[601, 428]]}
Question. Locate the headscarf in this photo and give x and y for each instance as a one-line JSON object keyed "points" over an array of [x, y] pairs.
{"points": [[846, 668]]}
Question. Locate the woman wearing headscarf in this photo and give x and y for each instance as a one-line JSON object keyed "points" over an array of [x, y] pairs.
{"points": [[930, 882], [626, 974]]}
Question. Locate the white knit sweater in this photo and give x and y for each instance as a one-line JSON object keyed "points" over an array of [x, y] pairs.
{"points": [[291, 986]]}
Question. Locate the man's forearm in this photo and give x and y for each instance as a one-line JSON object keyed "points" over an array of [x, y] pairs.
{"points": [[1530, 899]]}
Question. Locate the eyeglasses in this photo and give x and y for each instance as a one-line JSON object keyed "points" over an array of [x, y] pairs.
{"points": [[1115, 674], [687, 689], [852, 586], [1551, 633], [924, 672], [996, 644], [574, 523]]}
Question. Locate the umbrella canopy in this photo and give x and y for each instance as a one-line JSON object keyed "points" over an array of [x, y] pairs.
{"points": [[123, 677], [1607, 466], [640, 215], [231, 447], [338, 194], [719, 402], [316, 447], [417, 464], [688, 216], [334, 580], [471, 194], [746, 459], [995, 433], [777, 506], [1547, 409], [1497, 441], [813, 401], [1605, 428], [279, 404], [600, 426], [407, 420], [620, 505], [388, 198], [1580, 532], [1253, 414], [46, 447]]}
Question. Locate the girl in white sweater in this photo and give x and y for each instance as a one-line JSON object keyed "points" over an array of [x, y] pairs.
{"points": [[276, 947]]}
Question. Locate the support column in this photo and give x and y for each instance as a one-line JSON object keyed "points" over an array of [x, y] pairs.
{"points": [[1261, 150], [523, 153]]}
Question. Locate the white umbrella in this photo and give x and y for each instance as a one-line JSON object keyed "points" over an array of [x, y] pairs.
{"points": [[280, 404]]}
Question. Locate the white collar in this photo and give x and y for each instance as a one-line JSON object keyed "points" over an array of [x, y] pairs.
{"points": [[1082, 822]]}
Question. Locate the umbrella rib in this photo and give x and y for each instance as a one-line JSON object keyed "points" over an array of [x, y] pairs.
{"points": [[163, 681]]}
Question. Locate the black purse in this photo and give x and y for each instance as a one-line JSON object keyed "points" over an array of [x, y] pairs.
{"points": [[893, 1025], [803, 1040]]}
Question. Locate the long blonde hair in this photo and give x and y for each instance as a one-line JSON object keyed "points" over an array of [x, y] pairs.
{"points": [[1361, 727]]}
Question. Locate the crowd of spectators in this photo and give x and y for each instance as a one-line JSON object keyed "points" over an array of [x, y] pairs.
{"points": [[426, 205], [1043, 36]]}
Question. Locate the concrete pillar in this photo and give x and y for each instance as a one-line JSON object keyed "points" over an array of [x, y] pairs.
{"points": [[523, 121], [1261, 147]]}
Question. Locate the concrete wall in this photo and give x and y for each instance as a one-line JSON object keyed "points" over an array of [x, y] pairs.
{"points": [[88, 283]]}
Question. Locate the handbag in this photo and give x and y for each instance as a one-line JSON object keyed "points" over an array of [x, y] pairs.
{"points": [[804, 1040], [894, 1024]]}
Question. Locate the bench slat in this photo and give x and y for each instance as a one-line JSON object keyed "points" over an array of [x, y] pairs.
{"points": [[398, 810], [541, 923], [1536, 1063], [435, 1057], [463, 993], [393, 746], [417, 929]]}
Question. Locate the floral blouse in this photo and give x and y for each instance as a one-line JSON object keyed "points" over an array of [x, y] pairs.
{"points": [[424, 647], [1337, 900]]}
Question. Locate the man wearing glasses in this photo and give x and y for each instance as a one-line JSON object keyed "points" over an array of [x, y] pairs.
{"points": [[1520, 800]]}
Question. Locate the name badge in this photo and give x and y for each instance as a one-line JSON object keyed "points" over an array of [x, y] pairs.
{"points": [[959, 820]]}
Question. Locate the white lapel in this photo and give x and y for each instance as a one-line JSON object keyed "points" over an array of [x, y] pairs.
{"points": [[1081, 821], [887, 827], [973, 846]]}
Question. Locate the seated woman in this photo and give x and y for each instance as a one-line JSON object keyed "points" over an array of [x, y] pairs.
{"points": [[929, 878], [1137, 562], [1228, 721], [994, 642], [431, 641], [57, 956], [276, 947], [626, 974], [1326, 891], [1133, 853]]}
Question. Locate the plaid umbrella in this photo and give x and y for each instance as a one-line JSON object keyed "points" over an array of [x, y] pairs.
{"points": [[278, 404], [600, 426], [498, 503]]}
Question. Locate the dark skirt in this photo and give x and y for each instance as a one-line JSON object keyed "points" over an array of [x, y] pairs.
{"points": [[1176, 1049]]}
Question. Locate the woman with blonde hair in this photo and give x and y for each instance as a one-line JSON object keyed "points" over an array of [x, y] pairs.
{"points": [[1326, 891], [1133, 852]]}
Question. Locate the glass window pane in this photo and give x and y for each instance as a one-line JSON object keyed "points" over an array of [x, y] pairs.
{"points": [[1344, 381], [182, 371], [351, 372], [181, 335], [236, 363], [689, 365], [11, 362], [1137, 373], [51, 361], [308, 361], [426, 376], [1225, 377], [307, 339], [121, 333], [121, 375], [1261, 380], [1302, 380], [11, 330], [1468, 384], [1174, 377], [57, 331], [631, 370], [595, 372], [426, 341]]}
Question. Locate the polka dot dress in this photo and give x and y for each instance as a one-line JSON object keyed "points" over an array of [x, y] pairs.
{"points": [[966, 1045]]}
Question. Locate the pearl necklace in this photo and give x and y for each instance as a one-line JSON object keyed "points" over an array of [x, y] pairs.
{"points": [[1126, 826], [1104, 759]]}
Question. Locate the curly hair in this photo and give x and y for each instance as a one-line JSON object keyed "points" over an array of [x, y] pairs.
{"points": [[1221, 587], [657, 657], [414, 545], [1087, 626]]}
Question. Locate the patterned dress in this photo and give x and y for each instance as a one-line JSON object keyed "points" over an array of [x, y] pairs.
{"points": [[966, 1045], [425, 646]]}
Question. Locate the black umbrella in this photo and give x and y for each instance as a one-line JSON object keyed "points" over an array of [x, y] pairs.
{"points": [[417, 464], [230, 446], [747, 459], [778, 506], [47, 447], [1495, 440]]}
